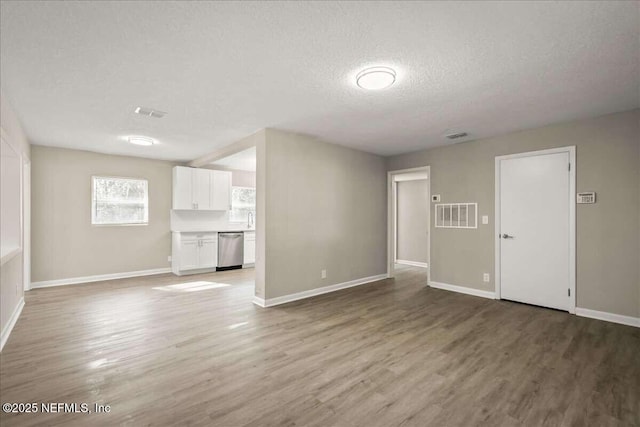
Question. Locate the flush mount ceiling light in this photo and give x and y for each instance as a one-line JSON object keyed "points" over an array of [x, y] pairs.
{"points": [[376, 78], [141, 140]]}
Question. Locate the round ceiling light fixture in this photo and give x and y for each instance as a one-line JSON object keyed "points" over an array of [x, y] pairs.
{"points": [[376, 78], [141, 140]]}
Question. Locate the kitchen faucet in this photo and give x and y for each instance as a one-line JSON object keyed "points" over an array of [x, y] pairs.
{"points": [[250, 220]]}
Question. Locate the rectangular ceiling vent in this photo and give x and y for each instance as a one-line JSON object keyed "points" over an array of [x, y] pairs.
{"points": [[457, 135], [150, 112]]}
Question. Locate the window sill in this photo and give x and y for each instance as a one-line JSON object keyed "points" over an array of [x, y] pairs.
{"points": [[120, 225]]}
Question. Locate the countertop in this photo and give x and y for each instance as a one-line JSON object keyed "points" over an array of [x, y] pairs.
{"points": [[227, 230]]}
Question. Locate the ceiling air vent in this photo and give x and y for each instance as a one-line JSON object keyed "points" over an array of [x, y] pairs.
{"points": [[150, 112], [457, 135]]}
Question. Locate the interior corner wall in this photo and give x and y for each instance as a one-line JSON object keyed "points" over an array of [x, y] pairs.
{"points": [[325, 210], [65, 244], [11, 273], [262, 192], [607, 233]]}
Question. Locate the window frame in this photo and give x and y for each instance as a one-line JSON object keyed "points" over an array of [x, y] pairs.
{"points": [[254, 206], [118, 224]]}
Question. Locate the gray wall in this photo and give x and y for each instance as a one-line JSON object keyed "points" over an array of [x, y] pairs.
{"points": [[412, 221], [11, 273], [65, 244], [608, 233], [324, 209]]}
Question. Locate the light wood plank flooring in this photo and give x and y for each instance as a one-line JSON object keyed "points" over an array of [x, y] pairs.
{"points": [[389, 353]]}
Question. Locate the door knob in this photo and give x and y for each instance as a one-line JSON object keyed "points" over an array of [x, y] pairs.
{"points": [[506, 236]]}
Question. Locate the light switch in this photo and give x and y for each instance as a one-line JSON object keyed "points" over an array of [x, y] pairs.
{"points": [[485, 219]]}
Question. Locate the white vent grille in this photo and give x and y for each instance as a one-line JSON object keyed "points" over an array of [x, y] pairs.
{"points": [[457, 215], [150, 112], [457, 135]]}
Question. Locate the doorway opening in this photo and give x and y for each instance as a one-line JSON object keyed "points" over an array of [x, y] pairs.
{"points": [[409, 226], [535, 258]]}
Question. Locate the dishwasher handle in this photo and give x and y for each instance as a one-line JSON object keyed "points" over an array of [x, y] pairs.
{"points": [[233, 235]]}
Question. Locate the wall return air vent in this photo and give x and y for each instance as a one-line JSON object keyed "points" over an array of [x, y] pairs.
{"points": [[457, 135]]}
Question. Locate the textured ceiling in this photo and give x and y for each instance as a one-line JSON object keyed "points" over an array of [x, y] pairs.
{"points": [[75, 71]]}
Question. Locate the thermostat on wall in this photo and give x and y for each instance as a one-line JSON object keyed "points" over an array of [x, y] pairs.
{"points": [[586, 198], [435, 198]]}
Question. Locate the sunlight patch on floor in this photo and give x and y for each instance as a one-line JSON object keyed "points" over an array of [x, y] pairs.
{"points": [[97, 363], [237, 325]]}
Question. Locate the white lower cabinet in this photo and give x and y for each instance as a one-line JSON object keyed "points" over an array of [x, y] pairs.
{"points": [[187, 255], [208, 253], [193, 251], [249, 247]]}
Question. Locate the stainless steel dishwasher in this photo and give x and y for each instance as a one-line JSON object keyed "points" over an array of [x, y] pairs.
{"points": [[230, 250]]}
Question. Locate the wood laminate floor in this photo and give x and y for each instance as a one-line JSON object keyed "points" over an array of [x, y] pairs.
{"points": [[164, 350]]}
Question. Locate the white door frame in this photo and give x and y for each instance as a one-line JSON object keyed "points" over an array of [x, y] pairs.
{"points": [[26, 224], [572, 216], [392, 209]]}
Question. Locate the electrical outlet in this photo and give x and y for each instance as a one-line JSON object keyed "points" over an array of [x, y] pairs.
{"points": [[169, 258], [485, 277], [323, 274], [485, 219]]}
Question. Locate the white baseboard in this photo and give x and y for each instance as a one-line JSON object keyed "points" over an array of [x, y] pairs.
{"points": [[412, 263], [6, 331], [463, 290], [98, 278], [608, 317], [259, 302], [318, 291]]}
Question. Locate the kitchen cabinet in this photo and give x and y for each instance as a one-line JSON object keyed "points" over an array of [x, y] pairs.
{"points": [[201, 189], [208, 253], [187, 257], [249, 247], [193, 252], [220, 191]]}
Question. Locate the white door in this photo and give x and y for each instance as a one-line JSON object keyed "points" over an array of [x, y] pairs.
{"points": [[202, 188], [221, 191], [188, 254], [208, 253], [534, 230]]}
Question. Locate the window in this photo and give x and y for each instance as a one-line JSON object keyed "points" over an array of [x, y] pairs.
{"points": [[119, 201], [243, 201]]}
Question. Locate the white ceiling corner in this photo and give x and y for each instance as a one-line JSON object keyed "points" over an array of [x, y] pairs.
{"points": [[74, 71], [244, 160]]}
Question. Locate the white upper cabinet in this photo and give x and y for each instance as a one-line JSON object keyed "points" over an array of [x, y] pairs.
{"points": [[201, 189], [221, 191], [182, 188], [201, 179]]}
